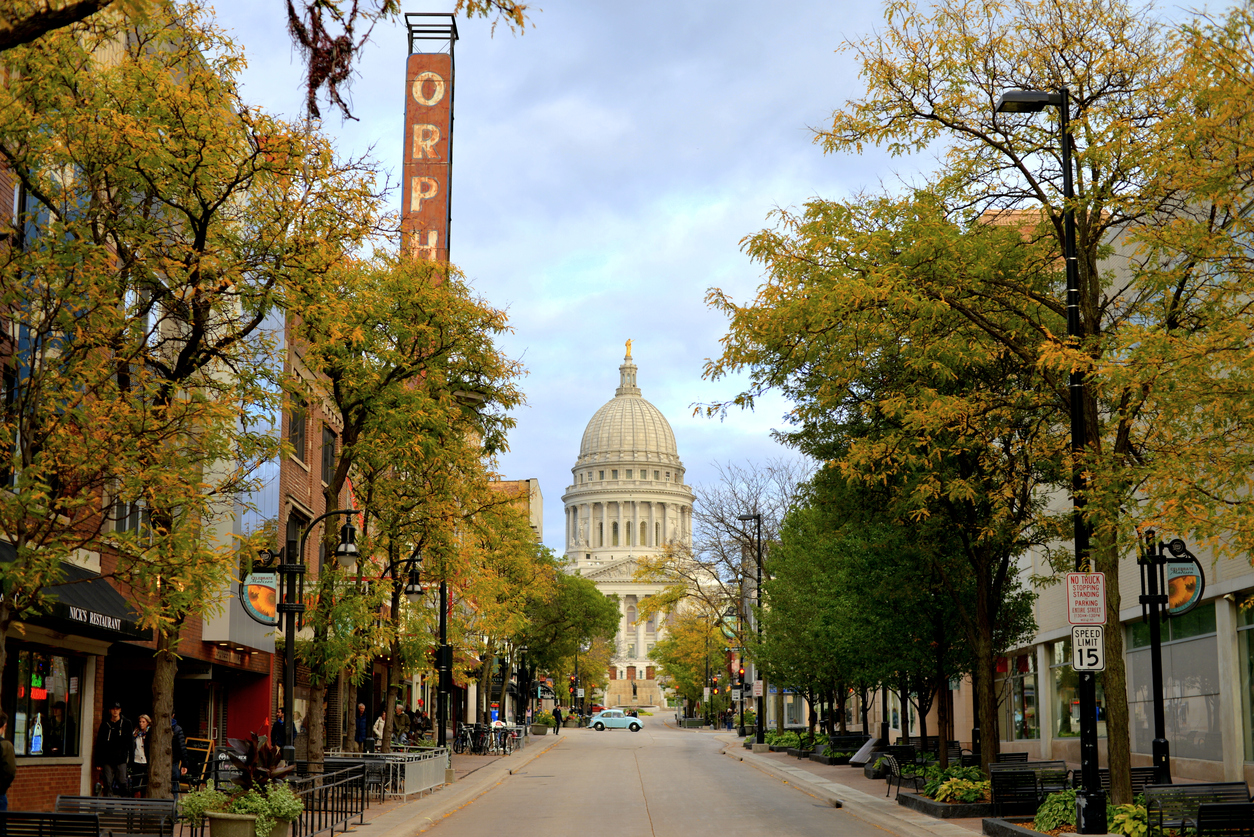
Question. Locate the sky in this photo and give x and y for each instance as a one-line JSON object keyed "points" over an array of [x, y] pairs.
{"points": [[607, 164]]}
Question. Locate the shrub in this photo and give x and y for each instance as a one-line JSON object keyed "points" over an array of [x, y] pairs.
{"points": [[1130, 820], [934, 777], [1057, 810], [963, 790], [545, 718]]}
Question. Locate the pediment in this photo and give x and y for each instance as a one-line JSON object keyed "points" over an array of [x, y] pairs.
{"points": [[618, 571]]}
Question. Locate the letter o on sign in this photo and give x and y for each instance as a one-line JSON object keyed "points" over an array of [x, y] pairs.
{"points": [[437, 92]]}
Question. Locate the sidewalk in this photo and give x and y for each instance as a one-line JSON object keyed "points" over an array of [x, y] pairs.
{"points": [[848, 788]]}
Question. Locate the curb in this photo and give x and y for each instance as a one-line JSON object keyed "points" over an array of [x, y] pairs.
{"points": [[421, 814]]}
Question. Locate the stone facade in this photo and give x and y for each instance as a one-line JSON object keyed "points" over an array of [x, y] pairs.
{"points": [[627, 499]]}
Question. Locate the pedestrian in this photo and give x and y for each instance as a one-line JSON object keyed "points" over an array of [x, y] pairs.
{"points": [[8, 761], [138, 767], [113, 751], [178, 757], [400, 724], [278, 730], [363, 729], [557, 716]]}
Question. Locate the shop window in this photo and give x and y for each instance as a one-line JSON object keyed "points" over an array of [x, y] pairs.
{"points": [[1067, 695], [46, 713], [1017, 691], [1190, 685]]}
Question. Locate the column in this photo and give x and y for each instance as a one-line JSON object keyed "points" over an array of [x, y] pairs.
{"points": [[1230, 721], [619, 518], [1044, 700], [603, 536]]}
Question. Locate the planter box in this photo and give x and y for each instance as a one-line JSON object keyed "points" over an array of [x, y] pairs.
{"points": [[1009, 827], [944, 810], [748, 743], [799, 753], [778, 748], [231, 825], [821, 759], [873, 772], [539, 729]]}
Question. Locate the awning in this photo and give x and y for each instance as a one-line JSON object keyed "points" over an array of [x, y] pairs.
{"points": [[86, 605]]}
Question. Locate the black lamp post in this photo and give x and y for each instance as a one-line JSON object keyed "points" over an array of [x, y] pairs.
{"points": [[410, 570], [291, 569], [757, 621], [1154, 613], [1091, 801]]}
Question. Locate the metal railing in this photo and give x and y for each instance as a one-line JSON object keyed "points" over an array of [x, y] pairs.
{"points": [[331, 800], [411, 770]]}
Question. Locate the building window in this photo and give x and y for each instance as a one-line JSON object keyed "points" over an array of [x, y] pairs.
{"points": [[602, 475], [1190, 685], [46, 714], [644, 534], [600, 534], [668, 476], [581, 479], [657, 533], [131, 516], [328, 454], [296, 428], [631, 614], [628, 473], [614, 474], [1017, 697], [614, 533], [1067, 695], [656, 475], [651, 625]]}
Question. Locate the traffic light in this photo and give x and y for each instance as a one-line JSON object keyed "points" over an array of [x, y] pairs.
{"points": [[741, 675]]}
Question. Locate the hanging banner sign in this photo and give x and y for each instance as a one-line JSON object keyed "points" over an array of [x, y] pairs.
{"points": [[259, 594], [1185, 580], [428, 156]]}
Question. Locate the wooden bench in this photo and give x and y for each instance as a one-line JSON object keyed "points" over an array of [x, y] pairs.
{"points": [[122, 816], [1169, 806], [1224, 819], [48, 824]]}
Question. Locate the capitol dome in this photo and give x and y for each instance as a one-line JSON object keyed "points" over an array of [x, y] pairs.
{"points": [[628, 428]]}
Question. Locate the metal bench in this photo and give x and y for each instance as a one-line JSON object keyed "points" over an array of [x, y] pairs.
{"points": [[1142, 777], [48, 824], [1223, 819], [895, 774], [1007, 758], [119, 815], [1015, 792], [1169, 806]]}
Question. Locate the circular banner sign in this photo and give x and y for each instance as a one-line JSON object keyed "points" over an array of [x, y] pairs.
{"points": [[259, 594], [1186, 583]]}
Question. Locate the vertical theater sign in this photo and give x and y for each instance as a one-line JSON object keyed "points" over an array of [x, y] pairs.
{"points": [[428, 153]]}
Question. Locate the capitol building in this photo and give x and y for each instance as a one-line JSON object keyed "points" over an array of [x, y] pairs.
{"points": [[627, 499]]}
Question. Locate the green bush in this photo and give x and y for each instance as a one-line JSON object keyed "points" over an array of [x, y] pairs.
{"points": [[1057, 810], [962, 790], [1130, 820], [545, 718], [934, 777]]}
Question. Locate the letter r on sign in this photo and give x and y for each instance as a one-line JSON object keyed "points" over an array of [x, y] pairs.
{"points": [[425, 138]]}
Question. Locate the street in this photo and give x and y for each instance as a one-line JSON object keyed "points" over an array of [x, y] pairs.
{"points": [[659, 782]]}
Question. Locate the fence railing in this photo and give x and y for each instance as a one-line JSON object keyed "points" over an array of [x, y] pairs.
{"points": [[402, 774], [332, 801]]}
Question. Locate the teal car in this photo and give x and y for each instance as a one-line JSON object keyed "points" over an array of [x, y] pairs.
{"points": [[614, 719]]}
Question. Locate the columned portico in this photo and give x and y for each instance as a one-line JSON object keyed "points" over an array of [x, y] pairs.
{"points": [[630, 480]]}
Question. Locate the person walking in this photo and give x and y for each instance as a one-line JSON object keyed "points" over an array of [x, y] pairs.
{"points": [[137, 768], [363, 729], [178, 757], [8, 762], [278, 730], [113, 751], [557, 716]]}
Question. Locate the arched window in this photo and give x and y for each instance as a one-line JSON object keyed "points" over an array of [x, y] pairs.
{"points": [[631, 614], [651, 625], [644, 534], [600, 534], [614, 533]]}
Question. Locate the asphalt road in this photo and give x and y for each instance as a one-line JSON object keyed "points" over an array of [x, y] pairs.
{"points": [[659, 782]]}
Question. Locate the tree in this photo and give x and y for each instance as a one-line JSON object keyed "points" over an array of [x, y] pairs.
{"points": [[1163, 198], [173, 215]]}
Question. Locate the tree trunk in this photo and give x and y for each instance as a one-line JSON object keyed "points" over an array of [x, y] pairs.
{"points": [[485, 690], [1115, 681], [779, 712], [160, 738], [315, 722], [942, 721]]}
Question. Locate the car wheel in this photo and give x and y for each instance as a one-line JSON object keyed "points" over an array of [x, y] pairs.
{"points": [[600, 727], [634, 728]]}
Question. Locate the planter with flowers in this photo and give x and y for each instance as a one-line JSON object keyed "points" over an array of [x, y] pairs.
{"points": [[262, 805]]}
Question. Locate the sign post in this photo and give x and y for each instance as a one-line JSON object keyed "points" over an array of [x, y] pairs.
{"points": [[1086, 611]]}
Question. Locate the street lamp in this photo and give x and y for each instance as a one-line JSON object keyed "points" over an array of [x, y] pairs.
{"points": [[760, 734], [410, 571], [291, 566], [1091, 801]]}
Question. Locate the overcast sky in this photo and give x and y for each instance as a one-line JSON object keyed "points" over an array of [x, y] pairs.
{"points": [[606, 166]]}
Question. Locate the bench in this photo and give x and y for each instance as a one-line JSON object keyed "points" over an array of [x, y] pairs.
{"points": [[1224, 819], [1169, 806], [894, 773], [1008, 758], [1142, 777], [120, 815], [1015, 792], [48, 824]]}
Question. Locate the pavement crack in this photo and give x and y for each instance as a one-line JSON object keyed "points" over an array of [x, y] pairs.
{"points": [[643, 795]]}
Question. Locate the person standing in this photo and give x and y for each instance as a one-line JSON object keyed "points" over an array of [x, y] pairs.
{"points": [[557, 716], [400, 724], [138, 766], [178, 757], [113, 751], [8, 761], [278, 730], [363, 728]]}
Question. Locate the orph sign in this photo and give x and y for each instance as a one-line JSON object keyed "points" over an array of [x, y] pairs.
{"points": [[428, 156]]}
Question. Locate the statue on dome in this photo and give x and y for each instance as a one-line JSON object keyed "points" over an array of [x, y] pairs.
{"points": [[629, 349]]}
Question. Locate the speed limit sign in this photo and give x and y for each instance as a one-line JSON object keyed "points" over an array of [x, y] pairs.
{"points": [[1088, 649]]}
